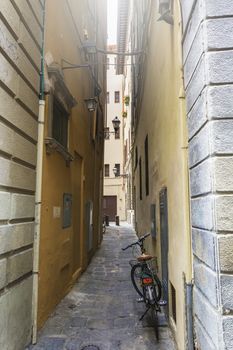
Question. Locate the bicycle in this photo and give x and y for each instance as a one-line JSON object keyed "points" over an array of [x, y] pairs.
{"points": [[146, 282]]}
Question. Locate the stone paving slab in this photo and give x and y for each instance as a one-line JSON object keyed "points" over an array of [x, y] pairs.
{"points": [[101, 309]]}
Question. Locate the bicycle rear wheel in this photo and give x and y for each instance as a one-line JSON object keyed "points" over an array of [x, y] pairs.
{"points": [[136, 273], [150, 300], [157, 287], [152, 293]]}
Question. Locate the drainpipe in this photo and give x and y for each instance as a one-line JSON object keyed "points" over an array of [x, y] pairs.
{"points": [[189, 316], [188, 285], [38, 194]]}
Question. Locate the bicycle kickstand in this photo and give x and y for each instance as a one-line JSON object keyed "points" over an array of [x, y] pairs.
{"points": [[140, 319]]}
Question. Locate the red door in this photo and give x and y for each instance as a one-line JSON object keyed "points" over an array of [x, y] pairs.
{"points": [[110, 207]]}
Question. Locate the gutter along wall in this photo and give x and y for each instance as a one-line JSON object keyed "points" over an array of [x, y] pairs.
{"points": [[20, 42], [71, 188]]}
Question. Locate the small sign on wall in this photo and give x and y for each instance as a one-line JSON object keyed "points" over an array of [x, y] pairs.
{"points": [[56, 212], [67, 210]]}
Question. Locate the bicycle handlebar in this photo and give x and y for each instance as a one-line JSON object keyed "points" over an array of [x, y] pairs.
{"points": [[144, 237], [129, 246], [141, 239]]}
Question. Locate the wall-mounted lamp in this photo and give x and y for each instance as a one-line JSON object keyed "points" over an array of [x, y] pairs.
{"points": [[165, 11], [116, 123], [115, 171], [91, 104], [89, 47], [116, 126]]}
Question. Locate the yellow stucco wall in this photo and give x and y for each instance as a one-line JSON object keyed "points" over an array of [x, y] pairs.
{"points": [[63, 252], [162, 117]]}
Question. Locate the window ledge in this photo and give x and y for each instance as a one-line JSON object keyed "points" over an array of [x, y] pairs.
{"points": [[53, 145]]}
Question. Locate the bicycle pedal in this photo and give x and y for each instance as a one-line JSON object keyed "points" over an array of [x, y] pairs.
{"points": [[162, 302], [140, 300]]}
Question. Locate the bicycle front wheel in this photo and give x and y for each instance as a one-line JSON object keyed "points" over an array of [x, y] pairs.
{"points": [[136, 274]]}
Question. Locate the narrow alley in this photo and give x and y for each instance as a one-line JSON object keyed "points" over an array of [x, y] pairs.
{"points": [[101, 312], [116, 111]]}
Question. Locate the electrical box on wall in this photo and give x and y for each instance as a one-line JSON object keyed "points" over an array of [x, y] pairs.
{"points": [[67, 210]]}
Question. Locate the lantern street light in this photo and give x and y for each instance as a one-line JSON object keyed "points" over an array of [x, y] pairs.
{"points": [[116, 123], [91, 104], [117, 174]]}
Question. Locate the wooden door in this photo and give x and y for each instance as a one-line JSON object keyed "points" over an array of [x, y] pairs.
{"points": [[110, 207]]}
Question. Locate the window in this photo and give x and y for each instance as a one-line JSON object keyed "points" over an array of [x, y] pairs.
{"points": [[107, 97], [60, 104], [140, 178], [60, 123], [117, 133], [115, 62], [118, 169], [117, 96], [108, 61], [146, 166], [106, 170]]}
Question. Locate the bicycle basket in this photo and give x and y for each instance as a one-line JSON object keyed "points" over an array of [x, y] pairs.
{"points": [[153, 264]]}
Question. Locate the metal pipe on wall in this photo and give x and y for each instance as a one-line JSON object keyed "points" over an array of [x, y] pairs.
{"points": [[189, 316], [38, 194], [38, 200]]}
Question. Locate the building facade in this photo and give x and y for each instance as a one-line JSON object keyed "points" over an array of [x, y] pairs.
{"points": [[20, 40], [51, 156], [114, 181], [72, 180], [181, 80], [160, 156], [127, 138]]}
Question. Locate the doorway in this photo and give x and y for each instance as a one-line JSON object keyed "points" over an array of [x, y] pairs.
{"points": [[110, 207]]}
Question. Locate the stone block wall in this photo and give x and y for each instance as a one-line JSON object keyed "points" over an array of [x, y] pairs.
{"points": [[208, 77], [20, 45]]}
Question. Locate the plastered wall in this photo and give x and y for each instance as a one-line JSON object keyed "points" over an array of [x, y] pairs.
{"points": [[64, 251], [160, 116]]}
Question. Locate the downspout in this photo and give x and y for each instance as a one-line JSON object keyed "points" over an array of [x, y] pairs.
{"points": [[189, 284], [189, 313], [38, 194]]}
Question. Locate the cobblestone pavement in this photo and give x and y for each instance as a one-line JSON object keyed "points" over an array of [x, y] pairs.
{"points": [[101, 309]]}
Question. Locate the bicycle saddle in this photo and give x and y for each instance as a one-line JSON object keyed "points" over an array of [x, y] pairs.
{"points": [[145, 257]]}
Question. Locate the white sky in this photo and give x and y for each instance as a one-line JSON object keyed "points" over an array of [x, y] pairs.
{"points": [[112, 21]]}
